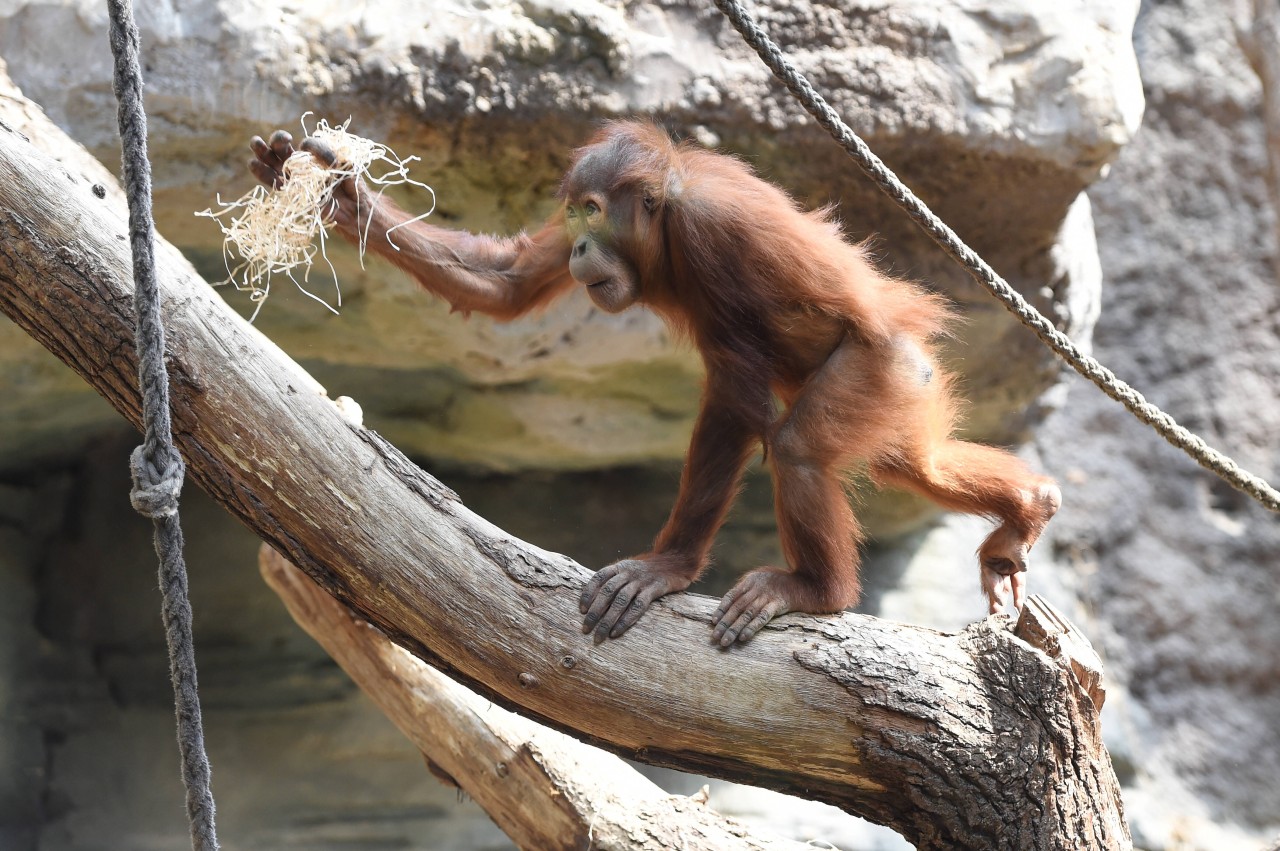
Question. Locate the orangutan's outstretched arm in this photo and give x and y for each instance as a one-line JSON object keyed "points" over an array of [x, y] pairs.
{"points": [[503, 278]]}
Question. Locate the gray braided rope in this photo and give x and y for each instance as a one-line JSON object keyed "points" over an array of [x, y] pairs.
{"points": [[156, 465], [1208, 457]]}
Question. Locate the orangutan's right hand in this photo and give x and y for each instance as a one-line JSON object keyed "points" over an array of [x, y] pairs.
{"points": [[267, 166]]}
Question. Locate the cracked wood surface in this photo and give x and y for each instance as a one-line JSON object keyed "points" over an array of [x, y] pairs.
{"points": [[975, 740], [546, 790]]}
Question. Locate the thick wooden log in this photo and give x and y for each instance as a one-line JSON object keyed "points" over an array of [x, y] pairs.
{"points": [[545, 789], [975, 740]]}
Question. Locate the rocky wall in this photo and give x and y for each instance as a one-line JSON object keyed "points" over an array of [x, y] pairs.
{"points": [[1001, 113], [1179, 573]]}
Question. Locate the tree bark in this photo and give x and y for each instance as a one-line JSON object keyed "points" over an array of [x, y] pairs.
{"points": [[975, 740], [545, 789]]}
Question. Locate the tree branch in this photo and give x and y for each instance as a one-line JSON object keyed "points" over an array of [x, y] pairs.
{"points": [[545, 789], [974, 740]]}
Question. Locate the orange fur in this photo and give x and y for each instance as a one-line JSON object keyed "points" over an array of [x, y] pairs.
{"points": [[775, 296], [781, 307]]}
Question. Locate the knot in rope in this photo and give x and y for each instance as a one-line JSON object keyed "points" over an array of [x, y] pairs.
{"points": [[156, 465], [157, 481]]}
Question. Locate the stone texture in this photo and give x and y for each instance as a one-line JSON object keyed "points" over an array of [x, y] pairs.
{"points": [[301, 760], [1178, 571], [22, 740], [998, 115]]}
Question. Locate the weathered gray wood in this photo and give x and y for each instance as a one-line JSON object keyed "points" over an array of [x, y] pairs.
{"points": [[973, 740], [545, 789], [1045, 628]]}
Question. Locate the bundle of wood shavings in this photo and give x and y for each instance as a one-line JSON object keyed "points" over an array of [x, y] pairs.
{"points": [[279, 232]]}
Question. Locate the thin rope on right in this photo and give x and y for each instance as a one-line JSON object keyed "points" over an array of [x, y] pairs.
{"points": [[1208, 457]]}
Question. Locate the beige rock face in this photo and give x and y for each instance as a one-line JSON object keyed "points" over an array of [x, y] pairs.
{"points": [[998, 115]]}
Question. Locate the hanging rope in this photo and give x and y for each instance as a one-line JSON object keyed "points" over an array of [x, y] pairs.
{"points": [[1060, 343], [157, 467]]}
